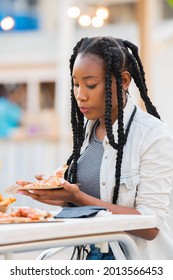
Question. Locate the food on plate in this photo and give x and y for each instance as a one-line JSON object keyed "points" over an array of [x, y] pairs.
{"points": [[32, 213], [5, 202], [51, 182], [24, 215]]}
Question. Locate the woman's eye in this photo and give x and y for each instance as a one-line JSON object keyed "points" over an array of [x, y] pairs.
{"points": [[75, 85], [91, 86]]}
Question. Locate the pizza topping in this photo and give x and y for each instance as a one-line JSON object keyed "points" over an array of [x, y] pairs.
{"points": [[51, 182], [33, 214], [25, 214]]}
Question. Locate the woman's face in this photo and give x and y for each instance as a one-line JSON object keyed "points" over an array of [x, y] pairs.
{"points": [[89, 87]]}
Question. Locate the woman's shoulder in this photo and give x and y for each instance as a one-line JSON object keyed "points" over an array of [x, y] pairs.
{"points": [[149, 123], [149, 130]]}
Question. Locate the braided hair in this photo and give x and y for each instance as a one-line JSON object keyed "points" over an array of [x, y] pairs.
{"points": [[118, 56]]}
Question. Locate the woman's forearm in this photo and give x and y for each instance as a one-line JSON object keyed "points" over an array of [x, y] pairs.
{"points": [[83, 199]]}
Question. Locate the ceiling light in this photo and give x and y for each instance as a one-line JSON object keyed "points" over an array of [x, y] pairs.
{"points": [[84, 20], [73, 12], [97, 22], [102, 12]]}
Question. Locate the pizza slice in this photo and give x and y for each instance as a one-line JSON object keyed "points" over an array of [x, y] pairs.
{"points": [[51, 182]]}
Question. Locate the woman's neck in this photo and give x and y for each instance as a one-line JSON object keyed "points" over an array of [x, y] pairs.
{"points": [[100, 131]]}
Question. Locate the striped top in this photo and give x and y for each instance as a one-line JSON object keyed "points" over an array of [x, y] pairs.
{"points": [[88, 171]]}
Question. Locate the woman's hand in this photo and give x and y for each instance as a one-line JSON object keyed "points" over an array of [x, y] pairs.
{"points": [[68, 193], [38, 177]]}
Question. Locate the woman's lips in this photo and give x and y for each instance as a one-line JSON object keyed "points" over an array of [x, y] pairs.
{"points": [[84, 110]]}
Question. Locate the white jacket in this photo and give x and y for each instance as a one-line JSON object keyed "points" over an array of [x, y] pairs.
{"points": [[146, 176]]}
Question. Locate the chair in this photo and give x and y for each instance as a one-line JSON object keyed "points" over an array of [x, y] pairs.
{"points": [[123, 247]]}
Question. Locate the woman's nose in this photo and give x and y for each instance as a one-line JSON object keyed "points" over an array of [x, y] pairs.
{"points": [[80, 94]]}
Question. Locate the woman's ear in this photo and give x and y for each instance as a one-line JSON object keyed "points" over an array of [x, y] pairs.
{"points": [[126, 79]]}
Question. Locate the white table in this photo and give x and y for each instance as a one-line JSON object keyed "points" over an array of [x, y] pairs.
{"points": [[71, 232]]}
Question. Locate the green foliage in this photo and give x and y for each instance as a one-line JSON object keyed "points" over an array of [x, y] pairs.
{"points": [[170, 3]]}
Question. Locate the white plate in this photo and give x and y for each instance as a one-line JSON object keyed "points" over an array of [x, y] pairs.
{"points": [[14, 188]]}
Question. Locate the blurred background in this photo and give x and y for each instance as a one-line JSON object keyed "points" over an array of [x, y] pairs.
{"points": [[36, 41]]}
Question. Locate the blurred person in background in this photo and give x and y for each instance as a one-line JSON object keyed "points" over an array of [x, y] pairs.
{"points": [[10, 110], [122, 157]]}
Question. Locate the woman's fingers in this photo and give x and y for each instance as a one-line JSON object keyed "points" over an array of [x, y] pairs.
{"points": [[68, 192], [38, 177], [23, 183], [35, 194], [71, 188], [41, 177], [27, 193], [41, 196]]}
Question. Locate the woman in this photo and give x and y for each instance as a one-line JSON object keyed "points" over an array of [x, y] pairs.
{"points": [[122, 157]]}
